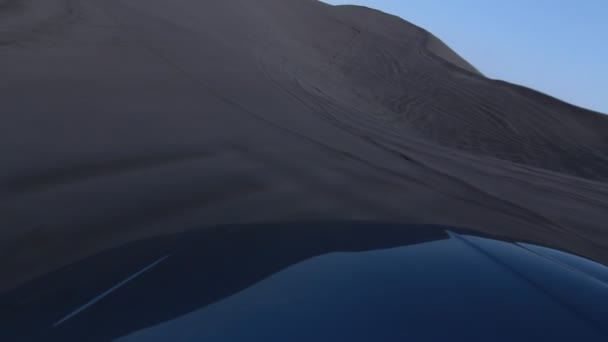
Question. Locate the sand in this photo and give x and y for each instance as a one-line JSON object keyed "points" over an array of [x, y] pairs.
{"points": [[126, 119]]}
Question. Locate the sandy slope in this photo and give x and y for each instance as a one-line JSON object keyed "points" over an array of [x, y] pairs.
{"points": [[130, 118]]}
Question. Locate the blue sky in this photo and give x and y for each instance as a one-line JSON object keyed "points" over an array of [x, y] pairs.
{"points": [[559, 47]]}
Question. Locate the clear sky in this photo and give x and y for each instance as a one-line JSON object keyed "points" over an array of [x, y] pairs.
{"points": [[559, 47]]}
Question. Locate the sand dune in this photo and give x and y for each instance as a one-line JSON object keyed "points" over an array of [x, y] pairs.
{"points": [[124, 119]]}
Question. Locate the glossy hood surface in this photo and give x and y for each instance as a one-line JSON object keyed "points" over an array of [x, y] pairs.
{"points": [[339, 281]]}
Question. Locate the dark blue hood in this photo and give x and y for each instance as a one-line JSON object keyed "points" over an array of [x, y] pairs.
{"points": [[317, 282]]}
